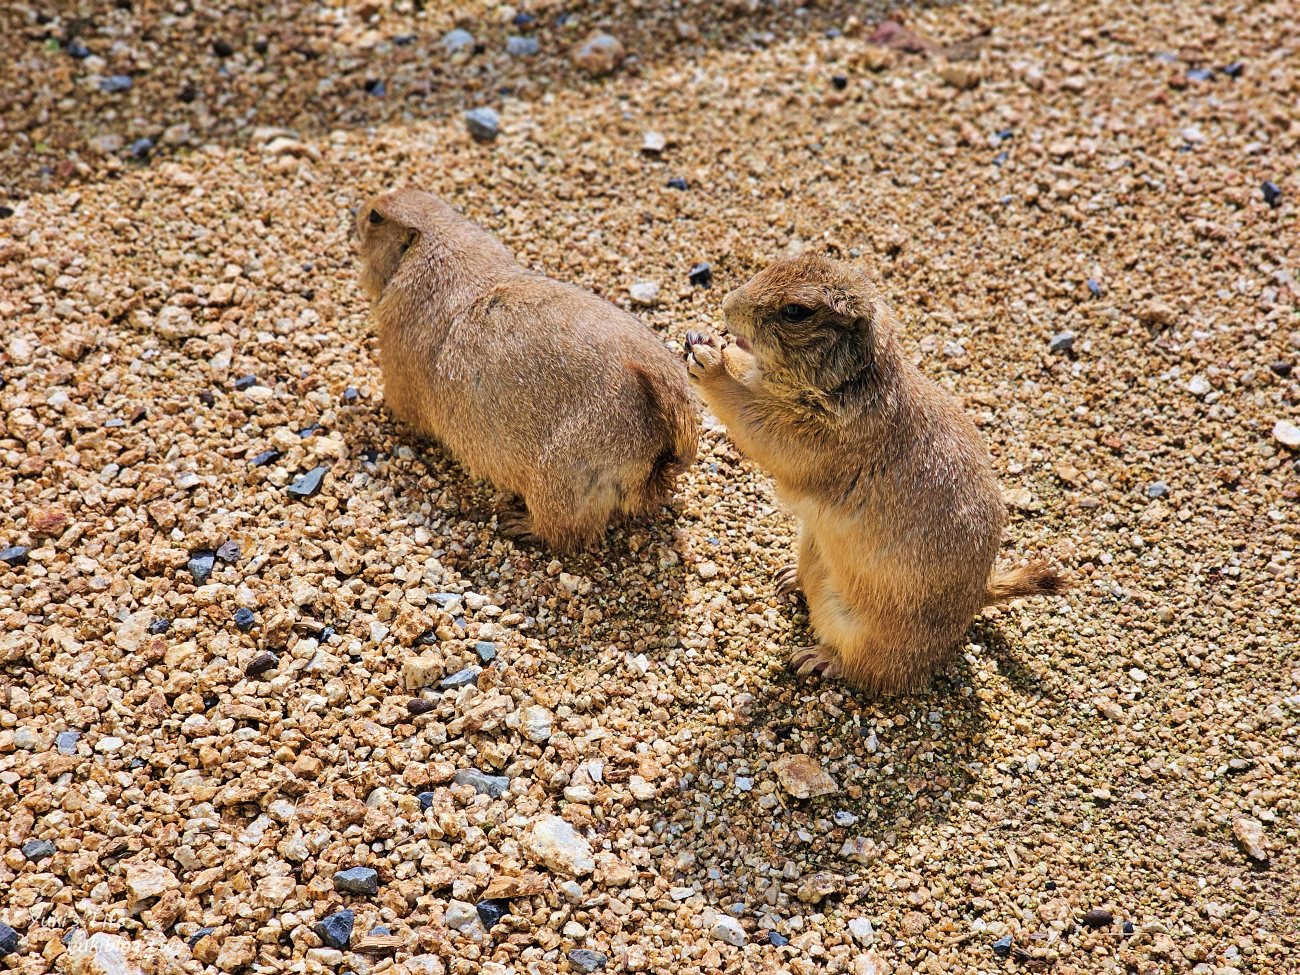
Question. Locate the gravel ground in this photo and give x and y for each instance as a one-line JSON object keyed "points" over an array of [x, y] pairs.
{"points": [[224, 685]]}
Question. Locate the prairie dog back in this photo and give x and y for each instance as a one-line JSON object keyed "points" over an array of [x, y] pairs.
{"points": [[548, 391]]}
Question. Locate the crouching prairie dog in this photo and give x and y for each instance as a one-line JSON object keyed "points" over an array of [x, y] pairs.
{"points": [[901, 517], [544, 389]]}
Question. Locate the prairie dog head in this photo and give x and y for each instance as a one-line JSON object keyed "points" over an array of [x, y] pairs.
{"points": [[387, 226], [810, 322]]}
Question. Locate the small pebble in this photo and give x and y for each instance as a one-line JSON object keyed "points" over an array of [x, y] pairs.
{"points": [[457, 41], [644, 293], [159, 626], [1157, 489], [676, 183], [1097, 918], [15, 555], [115, 83], [777, 939], [78, 50], [200, 565], [420, 705], [245, 382], [1287, 434], [261, 664], [486, 651], [599, 54], [228, 552], [198, 936], [468, 675], [484, 124], [728, 929], [522, 47], [265, 457], [489, 785], [335, 930], [244, 619], [491, 912], [307, 485], [357, 880], [37, 850], [141, 148], [1272, 193], [1062, 343], [586, 960], [1002, 947], [66, 742], [701, 275]]}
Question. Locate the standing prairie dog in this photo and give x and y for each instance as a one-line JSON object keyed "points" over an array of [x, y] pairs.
{"points": [[900, 512], [542, 388]]}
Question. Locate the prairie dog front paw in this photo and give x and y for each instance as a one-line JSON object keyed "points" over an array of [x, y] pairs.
{"points": [[703, 357]]}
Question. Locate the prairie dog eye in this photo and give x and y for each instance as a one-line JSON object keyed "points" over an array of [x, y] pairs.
{"points": [[796, 313], [376, 216]]}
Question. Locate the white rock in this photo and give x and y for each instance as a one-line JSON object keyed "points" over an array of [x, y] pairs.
{"points": [[174, 322], [463, 917], [645, 293], [145, 880], [803, 778], [1250, 835], [640, 788], [1287, 434], [557, 845], [653, 143], [536, 723], [728, 929], [274, 891], [862, 931], [425, 965], [1198, 386], [100, 954], [870, 964]]}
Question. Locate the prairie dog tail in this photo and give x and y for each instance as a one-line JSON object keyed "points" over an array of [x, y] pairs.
{"points": [[669, 402], [1035, 579]]}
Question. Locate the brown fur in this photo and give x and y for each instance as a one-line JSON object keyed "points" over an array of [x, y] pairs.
{"points": [[546, 390], [901, 513]]}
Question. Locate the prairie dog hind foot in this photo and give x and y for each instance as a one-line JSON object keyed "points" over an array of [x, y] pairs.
{"points": [[819, 659], [787, 580], [516, 524]]}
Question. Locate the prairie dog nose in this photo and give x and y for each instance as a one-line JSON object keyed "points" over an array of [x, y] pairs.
{"points": [[729, 302]]}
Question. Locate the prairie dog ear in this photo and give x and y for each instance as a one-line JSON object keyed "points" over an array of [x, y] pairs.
{"points": [[847, 304]]}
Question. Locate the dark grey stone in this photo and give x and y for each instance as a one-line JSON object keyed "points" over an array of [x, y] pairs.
{"points": [[335, 930], [491, 785], [357, 880]]}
